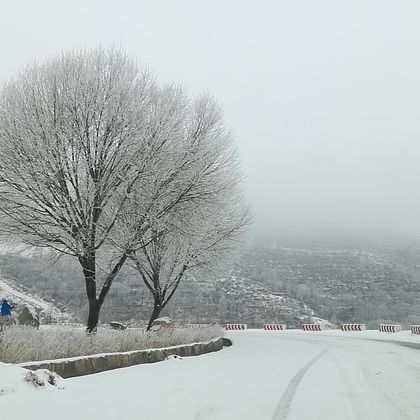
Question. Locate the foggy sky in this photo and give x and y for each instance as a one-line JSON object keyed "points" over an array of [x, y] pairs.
{"points": [[323, 96]]}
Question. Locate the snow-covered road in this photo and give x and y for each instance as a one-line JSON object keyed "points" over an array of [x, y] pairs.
{"points": [[264, 376]]}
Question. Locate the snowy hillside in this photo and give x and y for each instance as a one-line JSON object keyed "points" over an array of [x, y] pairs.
{"points": [[343, 279], [48, 311], [256, 304], [228, 299], [13, 248]]}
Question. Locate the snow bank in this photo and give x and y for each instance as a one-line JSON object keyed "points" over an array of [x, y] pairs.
{"points": [[14, 379]]}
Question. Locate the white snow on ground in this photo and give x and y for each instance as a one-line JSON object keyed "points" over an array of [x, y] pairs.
{"points": [[265, 375], [15, 380]]}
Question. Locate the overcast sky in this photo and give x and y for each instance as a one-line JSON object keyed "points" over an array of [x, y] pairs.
{"points": [[323, 96]]}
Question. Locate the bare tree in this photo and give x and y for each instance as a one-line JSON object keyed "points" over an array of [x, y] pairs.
{"points": [[98, 161], [78, 135], [209, 244], [195, 222]]}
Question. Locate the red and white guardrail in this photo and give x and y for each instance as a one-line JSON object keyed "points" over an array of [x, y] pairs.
{"points": [[390, 328], [235, 327], [196, 325], [353, 327], [312, 327], [274, 327], [415, 329]]}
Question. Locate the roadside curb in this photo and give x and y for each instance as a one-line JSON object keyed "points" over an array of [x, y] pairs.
{"points": [[227, 342], [87, 365]]}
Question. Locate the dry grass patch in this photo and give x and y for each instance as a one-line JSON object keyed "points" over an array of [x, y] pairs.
{"points": [[24, 344]]}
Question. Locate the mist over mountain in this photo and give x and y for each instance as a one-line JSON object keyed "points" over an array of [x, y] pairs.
{"points": [[289, 279]]}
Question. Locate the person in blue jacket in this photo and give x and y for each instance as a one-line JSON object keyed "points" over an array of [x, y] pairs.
{"points": [[6, 308]]}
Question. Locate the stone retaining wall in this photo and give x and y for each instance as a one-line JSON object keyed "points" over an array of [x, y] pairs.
{"points": [[86, 365]]}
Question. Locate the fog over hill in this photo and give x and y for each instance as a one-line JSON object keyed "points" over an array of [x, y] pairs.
{"points": [[289, 279], [343, 278]]}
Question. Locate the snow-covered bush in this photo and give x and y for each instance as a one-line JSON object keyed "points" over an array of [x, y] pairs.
{"points": [[23, 344], [16, 379], [40, 377]]}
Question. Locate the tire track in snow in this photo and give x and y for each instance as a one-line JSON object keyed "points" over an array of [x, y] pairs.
{"points": [[282, 410], [356, 403]]}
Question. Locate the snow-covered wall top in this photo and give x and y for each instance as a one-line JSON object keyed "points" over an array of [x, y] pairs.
{"points": [[79, 366]]}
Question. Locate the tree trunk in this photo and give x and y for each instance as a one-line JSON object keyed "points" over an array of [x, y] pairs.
{"points": [[95, 304], [157, 308], [89, 272], [93, 317]]}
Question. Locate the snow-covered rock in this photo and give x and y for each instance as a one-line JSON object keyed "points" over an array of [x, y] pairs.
{"points": [[28, 317], [162, 323], [117, 325]]}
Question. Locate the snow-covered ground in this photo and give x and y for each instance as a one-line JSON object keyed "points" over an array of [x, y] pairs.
{"points": [[18, 381], [265, 375]]}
